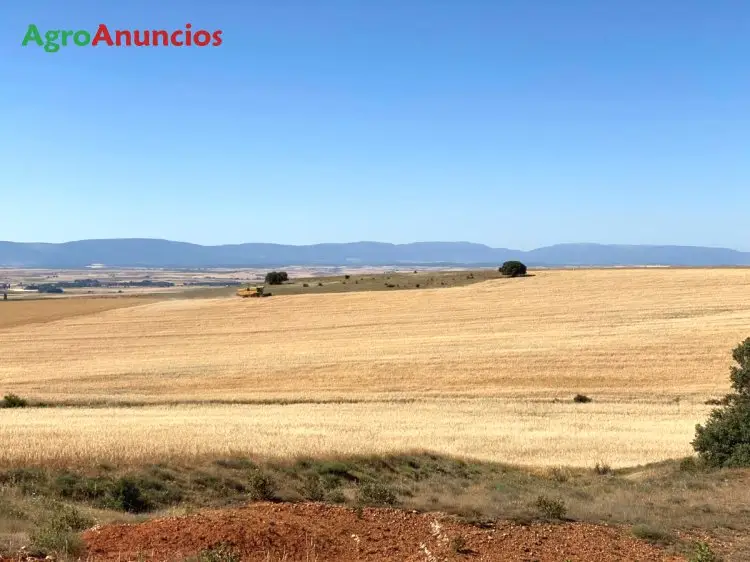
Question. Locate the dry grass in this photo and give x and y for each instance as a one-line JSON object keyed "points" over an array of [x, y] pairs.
{"points": [[648, 345], [541, 434]]}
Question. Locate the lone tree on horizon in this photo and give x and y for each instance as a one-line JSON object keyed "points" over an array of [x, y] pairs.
{"points": [[276, 277], [513, 268], [724, 441]]}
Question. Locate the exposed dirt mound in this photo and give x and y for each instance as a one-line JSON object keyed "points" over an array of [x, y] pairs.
{"points": [[316, 532]]}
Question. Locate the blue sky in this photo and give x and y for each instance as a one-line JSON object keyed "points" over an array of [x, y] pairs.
{"points": [[512, 123]]}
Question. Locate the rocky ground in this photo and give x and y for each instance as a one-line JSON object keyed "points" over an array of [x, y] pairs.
{"points": [[317, 532]]}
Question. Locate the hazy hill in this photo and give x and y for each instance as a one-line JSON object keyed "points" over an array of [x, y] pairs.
{"points": [[142, 252]]}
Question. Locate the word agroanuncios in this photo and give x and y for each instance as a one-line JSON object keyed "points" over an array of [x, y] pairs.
{"points": [[54, 39]]}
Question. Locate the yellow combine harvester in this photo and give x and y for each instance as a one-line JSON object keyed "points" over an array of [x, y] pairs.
{"points": [[253, 292]]}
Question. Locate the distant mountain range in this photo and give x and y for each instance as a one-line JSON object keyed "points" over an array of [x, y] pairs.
{"points": [[144, 252]]}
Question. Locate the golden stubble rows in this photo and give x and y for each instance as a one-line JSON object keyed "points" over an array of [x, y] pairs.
{"points": [[629, 335]]}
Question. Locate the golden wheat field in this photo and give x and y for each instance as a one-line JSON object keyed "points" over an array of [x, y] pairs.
{"points": [[483, 363], [539, 434]]}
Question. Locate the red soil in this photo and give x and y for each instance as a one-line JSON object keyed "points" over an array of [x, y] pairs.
{"points": [[267, 532]]}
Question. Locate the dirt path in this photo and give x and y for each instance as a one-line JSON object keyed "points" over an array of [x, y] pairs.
{"points": [[316, 532]]}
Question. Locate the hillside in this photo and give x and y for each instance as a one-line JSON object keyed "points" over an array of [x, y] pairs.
{"points": [[143, 252]]}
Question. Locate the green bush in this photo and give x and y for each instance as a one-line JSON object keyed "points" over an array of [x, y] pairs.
{"points": [[374, 493], [127, 496], [703, 553], [513, 268], [13, 401], [57, 532], [336, 496], [313, 488], [261, 486], [724, 440]]}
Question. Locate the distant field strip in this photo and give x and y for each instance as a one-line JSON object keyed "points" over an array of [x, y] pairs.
{"points": [[34, 311], [488, 429], [644, 335]]}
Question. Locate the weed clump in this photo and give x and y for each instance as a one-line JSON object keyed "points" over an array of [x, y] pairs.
{"points": [[223, 552], [313, 488], [261, 486], [374, 493], [336, 496], [652, 534], [703, 553], [581, 399], [13, 401], [551, 508], [57, 532]]}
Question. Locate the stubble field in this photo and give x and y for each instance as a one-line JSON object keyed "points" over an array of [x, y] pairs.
{"points": [[485, 371]]}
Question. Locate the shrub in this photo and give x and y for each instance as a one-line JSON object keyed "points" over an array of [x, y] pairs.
{"points": [[374, 493], [261, 487], [57, 533], [551, 508], [127, 496], [313, 488], [276, 277], [688, 464], [602, 469], [13, 401], [581, 399], [513, 268], [305, 285], [347, 276], [724, 441], [337, 496]]}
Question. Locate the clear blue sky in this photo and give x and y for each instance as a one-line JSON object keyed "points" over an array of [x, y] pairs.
{"points": [[513, 123]]}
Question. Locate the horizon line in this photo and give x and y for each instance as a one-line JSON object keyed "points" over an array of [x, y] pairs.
{"points": [[557, 244]]}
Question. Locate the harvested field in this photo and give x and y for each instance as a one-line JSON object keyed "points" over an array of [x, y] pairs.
{"points": [[267, 532], [626, 335], [44, 310], [472, 370]]}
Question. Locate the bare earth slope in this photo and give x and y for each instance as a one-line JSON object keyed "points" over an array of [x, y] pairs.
{"points": [[271, 532]]}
